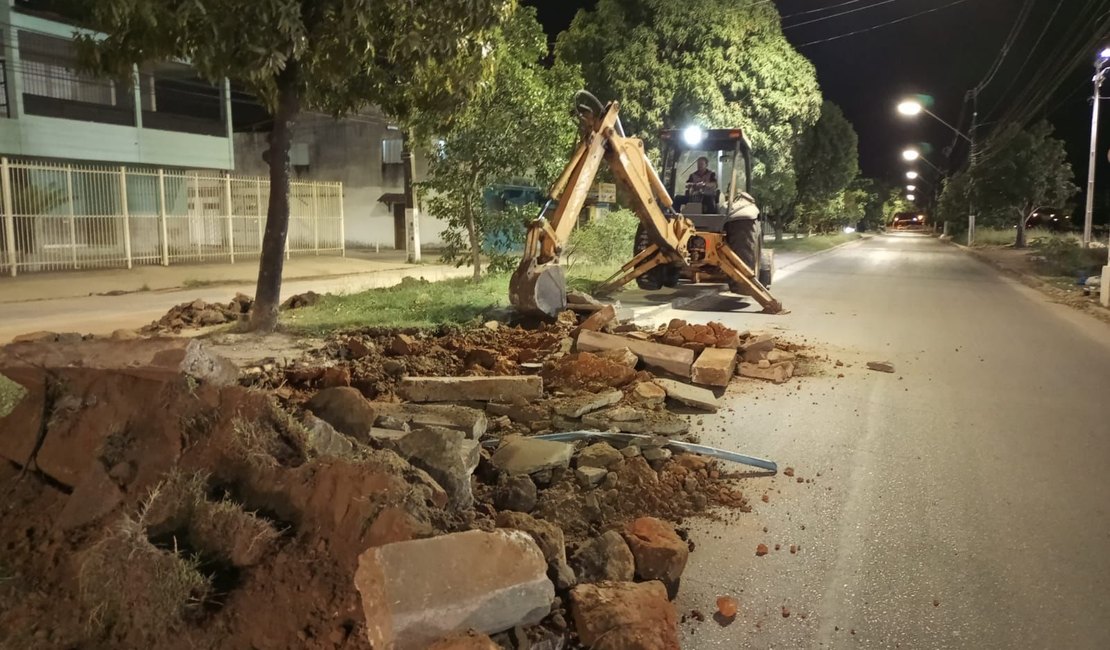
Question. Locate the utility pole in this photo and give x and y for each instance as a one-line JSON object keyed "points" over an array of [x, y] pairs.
{"points": [[412, 205], [1100, 75], [972, 155]]}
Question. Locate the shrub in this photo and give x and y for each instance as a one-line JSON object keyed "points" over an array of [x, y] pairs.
{"points": [[1064, 256], [605, 240]]}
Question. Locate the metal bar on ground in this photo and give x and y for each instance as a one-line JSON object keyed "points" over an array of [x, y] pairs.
{"points": [[722, 454]]}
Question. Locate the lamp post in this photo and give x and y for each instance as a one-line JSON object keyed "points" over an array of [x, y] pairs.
{"points": [[1100, 75], [913, 108]]}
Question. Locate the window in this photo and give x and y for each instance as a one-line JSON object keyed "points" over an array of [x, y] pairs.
{"points": [[391, 151]]}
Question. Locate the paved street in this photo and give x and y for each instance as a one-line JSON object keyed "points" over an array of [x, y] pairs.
{"points": [[962, 502]]}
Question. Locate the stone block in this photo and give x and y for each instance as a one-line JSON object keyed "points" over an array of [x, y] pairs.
{"points": [[417, 592], [659, 552], [778, 373], [527, 455], [447, 455], [690, 395], [576, 407], [464, 389], [668, 357], [612, 615], [714, 367]]}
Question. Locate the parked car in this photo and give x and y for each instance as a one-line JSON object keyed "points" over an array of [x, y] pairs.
{"points": [[1051, 219], [908, 221]]}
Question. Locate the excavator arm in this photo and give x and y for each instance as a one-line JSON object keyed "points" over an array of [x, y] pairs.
{"points": [[538, 286]]}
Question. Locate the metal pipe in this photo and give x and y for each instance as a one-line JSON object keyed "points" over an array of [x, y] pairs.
{"points": [[713, 452]]}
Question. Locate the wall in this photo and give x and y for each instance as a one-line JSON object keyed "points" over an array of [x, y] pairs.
{"points": [[348, 151]]}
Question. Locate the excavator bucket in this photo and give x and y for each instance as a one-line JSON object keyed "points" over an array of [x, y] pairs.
{"points": [[538, 290]]}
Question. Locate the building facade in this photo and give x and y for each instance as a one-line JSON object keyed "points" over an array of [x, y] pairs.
{"points": [[363, 152]]}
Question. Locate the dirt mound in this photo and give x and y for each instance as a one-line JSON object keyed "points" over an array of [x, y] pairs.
{"points": [[144, 509], [697, 337], [201, 314], [589, 372]]}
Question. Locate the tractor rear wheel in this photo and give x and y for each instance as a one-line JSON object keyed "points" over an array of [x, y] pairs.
{"points": [[742, 236], [658, 277]]}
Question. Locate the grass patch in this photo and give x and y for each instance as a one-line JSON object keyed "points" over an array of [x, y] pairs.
{"points": [[811, 244], [420, 304], [196, 283], [126, 581], [985, 237]]}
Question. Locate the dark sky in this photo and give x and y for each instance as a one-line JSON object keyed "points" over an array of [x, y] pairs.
{"points": [[940, 54]]}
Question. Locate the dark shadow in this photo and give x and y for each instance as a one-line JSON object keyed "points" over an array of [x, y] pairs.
{"points": [[722, 621]]}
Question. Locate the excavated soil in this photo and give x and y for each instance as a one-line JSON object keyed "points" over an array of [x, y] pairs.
{"points": [[263, 558]]}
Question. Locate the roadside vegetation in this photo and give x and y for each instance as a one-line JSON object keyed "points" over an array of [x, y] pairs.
{"points": [[812, 243]]}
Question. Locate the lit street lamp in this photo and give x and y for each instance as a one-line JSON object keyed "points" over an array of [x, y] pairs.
{"points": [[913, 108], [911, 188], [910, 197], [912, 175], [911, 155]]}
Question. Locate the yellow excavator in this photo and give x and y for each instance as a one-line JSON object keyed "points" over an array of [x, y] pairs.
{"points": [[706, 235]]}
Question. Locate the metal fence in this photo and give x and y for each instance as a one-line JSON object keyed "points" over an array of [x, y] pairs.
{"points": [[59, 216]]}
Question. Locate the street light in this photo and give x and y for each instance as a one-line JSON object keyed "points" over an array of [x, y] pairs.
{"points": [[913, 108], [910, 197], [1100, 75], [911, 188], [912, 175], [911, 155]]}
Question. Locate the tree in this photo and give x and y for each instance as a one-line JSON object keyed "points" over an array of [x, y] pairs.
{"points": [[517, 127], [718, 63], [417, 61], [826, 161], [1019, 169]]}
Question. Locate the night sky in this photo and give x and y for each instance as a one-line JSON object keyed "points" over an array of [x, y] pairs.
{"points": [[941, 54]]}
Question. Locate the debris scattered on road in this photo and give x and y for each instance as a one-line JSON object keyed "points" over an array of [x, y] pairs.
{"points": [[727, 606], [761, 550], [880, 366]]}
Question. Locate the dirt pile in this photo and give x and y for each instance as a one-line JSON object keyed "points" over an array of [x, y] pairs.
{"points": [[158, 500], [199, 313], [144, 507]]}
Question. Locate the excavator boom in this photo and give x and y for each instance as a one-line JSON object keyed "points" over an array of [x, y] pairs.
{"points": [[538, 286]]}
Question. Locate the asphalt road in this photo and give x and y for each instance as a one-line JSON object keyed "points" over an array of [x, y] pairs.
{"points": [[962, 502]]}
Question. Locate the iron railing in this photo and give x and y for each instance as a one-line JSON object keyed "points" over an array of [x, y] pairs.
{"points": [[59, 216]]}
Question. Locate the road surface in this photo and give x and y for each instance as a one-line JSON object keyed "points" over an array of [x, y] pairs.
{"points": [[961, 502]]}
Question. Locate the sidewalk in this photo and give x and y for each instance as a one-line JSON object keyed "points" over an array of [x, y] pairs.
{"points": [[50, 305], [72, 284]]}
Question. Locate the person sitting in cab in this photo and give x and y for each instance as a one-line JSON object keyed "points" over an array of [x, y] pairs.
{"points": [[702, 185]]}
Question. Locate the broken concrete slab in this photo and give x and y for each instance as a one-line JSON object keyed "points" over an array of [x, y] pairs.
{"points": [[547, 535], [589, 477], [521, 411], [659, 422], [649, 393], [418, 591], [758, 343], [470, 420], [465, 641], [447, 455], [516, 493], [623, 356], [776, 355], [778, 373], [481, 389], [599, 454], [345, 409], [606, 557], [518, 455], [881, 366], [668, 357], [576, 407], [324, 440], [599, 319], [659, 552], [695, 396], [714, 367], [612, 615]]}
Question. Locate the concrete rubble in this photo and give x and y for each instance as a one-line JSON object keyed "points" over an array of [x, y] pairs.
{"points": [[416, 592], [455, 523]]}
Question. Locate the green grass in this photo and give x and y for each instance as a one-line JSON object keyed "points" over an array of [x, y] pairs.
{"points": [[811, 244], [421, 304]]}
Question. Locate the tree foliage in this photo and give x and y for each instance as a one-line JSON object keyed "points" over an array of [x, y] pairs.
{"points": [[826, 161], [1019, 170], [517, 128], [718, 63], [417, 61]]}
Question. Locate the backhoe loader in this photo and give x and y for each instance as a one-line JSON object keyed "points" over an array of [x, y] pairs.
{"points": [[705, 236]]}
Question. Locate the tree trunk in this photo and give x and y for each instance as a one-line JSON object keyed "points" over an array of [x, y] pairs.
{"points": [[777, 222], [475, 245], [1019, 242], [267, 295]]}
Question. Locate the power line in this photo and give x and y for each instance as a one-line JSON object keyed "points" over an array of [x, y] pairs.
{"points": [[882, 25], [1029, 55], [819, 10], [837, 15], [1019, 23]]}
